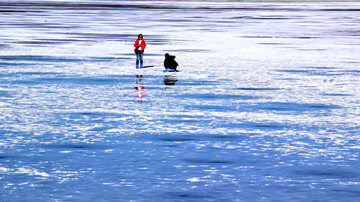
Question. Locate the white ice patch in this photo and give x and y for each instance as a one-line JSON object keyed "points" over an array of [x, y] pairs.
{"points": [[31, 172], [194, 179], [3, 170]]}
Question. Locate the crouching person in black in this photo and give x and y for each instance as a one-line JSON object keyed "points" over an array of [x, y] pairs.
{"points": [[169, 63]]}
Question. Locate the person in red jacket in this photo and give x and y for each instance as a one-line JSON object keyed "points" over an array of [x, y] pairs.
{"points": [[139, 50]]}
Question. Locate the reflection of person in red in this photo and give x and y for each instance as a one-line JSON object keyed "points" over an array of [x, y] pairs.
{"points": [[139, 88]]}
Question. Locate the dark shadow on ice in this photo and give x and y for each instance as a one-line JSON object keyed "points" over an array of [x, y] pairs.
{"points": [[314, 71], [258, 89], [207, 161], [4, 94], [209, 96], [335, 172], [74, 146], [186, 196], [176, 139], [291, 108]]}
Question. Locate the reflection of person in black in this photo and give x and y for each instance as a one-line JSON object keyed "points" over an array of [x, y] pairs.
{"points": [[139, 88], [169, 63], [169, 80]]}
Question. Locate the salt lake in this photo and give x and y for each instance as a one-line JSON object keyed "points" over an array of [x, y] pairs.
{"points": [[265, 106]]}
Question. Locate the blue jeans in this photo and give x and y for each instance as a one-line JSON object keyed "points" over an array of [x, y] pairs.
{"points": [[139, 57]]}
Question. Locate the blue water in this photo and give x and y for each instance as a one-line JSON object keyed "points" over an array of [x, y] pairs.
{"points": [[265, 106]]}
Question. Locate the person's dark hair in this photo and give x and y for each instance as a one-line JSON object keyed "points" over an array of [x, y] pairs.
{"points": [[166, 54], [140, 35]]}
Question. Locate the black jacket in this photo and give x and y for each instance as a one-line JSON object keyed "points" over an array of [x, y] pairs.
{"points": [[169, 62]]}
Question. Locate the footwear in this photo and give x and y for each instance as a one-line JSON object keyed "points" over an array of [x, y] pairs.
{"points": [[166, 70], [137, 66], [141, 67]]}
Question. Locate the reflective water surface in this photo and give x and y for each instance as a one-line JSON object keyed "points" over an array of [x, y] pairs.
{"points": [[265, 106]]}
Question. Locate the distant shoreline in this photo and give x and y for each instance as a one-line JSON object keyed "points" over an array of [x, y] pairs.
{"points": [[87, 1], [273, 1]]}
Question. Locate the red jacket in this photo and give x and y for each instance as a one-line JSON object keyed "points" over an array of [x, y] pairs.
{"points": [[141, 47]]}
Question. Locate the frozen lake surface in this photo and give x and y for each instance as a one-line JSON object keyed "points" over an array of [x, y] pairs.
{"points": [[265, 108]]}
